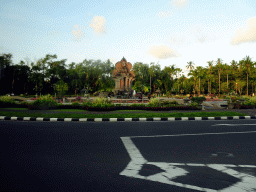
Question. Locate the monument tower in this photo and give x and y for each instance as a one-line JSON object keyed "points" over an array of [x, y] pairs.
{"points": [[123, 76]]}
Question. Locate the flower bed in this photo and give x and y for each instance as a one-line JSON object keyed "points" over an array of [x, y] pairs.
{"points": [[120, 101]]}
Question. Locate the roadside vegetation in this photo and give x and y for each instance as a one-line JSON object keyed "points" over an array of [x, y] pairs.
{"points": [[54, 81], [45, 102], [118, 115]]}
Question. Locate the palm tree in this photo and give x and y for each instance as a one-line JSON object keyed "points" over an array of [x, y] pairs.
{"points": [[151, 73], [253, 76], [200, 74], [227, 70], [233, 64], [210, 64], [177, 73], [219, 66], [190, 65], [248, 65], [182, 79], [194, 74], [170, 70]]}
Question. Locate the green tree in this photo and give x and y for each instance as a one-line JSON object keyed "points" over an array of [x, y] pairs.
{"points": [[240, 86], [209, 74], [61, 87], [219, 67], [190, 65], [151, 73], [247, 64], [200, 74]]}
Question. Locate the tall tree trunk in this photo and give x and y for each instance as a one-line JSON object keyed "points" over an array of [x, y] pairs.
{"points": [[199, 85], [219, 84], [227, 80], [195, 88], [150, 85], [252, 88], [208, 87], [247, 83], [12, 85]]}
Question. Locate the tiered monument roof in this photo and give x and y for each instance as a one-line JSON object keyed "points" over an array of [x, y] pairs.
{"points": [[123, 68]]}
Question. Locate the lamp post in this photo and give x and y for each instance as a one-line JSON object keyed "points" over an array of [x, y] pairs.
{"points": [[236, 88]]}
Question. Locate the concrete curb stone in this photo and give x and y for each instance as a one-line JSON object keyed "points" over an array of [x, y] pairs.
{"points": [[123, 119]]}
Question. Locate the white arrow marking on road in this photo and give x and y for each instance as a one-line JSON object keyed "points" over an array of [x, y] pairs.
{"points": [[248, 182]]}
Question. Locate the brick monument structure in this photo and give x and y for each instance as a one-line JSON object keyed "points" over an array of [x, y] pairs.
{"points": [[123, 76]]}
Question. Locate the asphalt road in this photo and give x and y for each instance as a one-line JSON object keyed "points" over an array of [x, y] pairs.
{"points": [[128, 156]]}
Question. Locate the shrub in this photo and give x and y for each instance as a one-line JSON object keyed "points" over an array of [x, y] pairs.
{"points": [[198, 100], [165, 103], [137, 105], [193, 104], [233, 99], [44, 102], [96, 93], [154, 102], [24, 103], [76, 103], [168, 94], [174, 102], [6, 101], [248, 103], [99, 102]]}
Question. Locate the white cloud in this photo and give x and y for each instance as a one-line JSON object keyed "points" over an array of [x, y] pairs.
{"points": [[165, 14], [176, 41], [162, 52], [180, 3], [202, 39], [78, 33], [98, 24], [114, 61], [245, 34], [198, 31]]}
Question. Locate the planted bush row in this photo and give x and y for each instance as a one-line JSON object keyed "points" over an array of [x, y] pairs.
{"points": [[102, 104]]}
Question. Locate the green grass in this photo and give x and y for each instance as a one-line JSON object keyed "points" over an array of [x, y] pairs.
{"points": [[128, 115], [68, 110]]}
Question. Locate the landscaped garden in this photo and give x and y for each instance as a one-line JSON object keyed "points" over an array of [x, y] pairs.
{"points": [[49, 103]]}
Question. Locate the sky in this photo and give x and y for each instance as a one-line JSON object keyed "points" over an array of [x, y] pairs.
{"points": [[167, 32]]}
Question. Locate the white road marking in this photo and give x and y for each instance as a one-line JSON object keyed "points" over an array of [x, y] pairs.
{"points": [[248, 182], [233, 124], [193, 134]]}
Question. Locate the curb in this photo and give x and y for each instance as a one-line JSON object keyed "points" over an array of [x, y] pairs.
{"points": [[123, 119]]}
